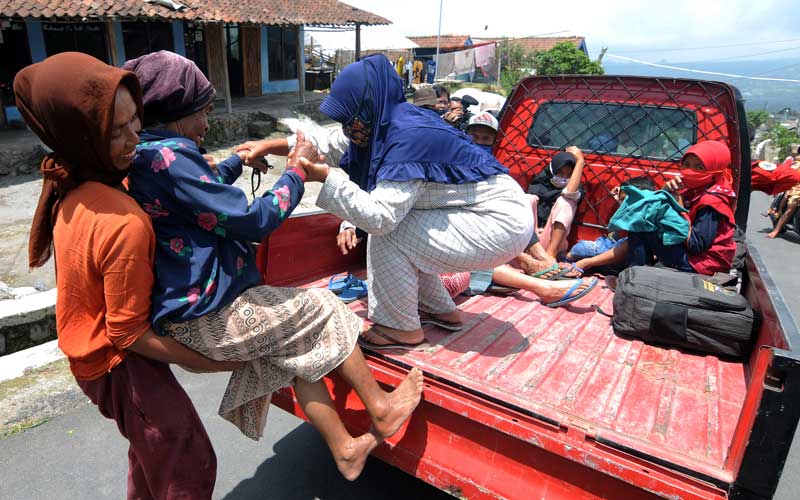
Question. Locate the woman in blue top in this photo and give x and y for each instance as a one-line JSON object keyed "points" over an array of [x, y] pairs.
{"points": [[207, 293], [431, 200]]}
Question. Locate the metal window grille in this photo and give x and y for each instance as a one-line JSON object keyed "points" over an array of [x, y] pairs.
{"points": [[625, 126]]}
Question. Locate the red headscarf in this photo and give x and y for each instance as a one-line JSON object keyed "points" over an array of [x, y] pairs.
{"points": [[68, 101], [714, 186]]}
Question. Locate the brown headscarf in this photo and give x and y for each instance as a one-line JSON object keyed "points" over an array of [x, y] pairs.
{"points": [[68, 101]]}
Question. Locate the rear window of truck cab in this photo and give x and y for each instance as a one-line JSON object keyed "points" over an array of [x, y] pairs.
{"points": [[633, 130]]}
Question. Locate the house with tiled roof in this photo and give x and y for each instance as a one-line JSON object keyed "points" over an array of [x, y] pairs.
{"points": [[452, 43], [447, 43], [246, 48], [541, 43]]}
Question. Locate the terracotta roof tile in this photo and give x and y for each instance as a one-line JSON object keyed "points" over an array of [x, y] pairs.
{"points": [[313, 12], [447, 42], [539, 43]]}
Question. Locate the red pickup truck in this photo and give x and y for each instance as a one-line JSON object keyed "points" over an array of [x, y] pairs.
{"points": [[529, 402]]}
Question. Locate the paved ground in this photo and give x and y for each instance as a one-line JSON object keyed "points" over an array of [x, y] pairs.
{"points": [[80, 454]]}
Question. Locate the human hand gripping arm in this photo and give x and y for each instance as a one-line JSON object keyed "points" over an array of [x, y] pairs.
{"points": [[168, 350], [125, 262]]}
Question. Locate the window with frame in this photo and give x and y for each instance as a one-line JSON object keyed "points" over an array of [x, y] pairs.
{"points": [[195, 45], [144, 37], [86, 37], [656, 132], [14, 55], [282, 52]]}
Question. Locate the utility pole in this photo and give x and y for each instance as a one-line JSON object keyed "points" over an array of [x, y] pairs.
{"points": [[499, 61], [602, 54], [438, 38], [358, 41]]}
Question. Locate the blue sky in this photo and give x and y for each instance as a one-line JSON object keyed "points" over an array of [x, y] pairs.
{"points": [[646, 30]]}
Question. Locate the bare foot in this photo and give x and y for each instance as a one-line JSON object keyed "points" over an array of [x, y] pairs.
{"points": [[531, 266], [400, 403], [559, 288], [351, 458]]}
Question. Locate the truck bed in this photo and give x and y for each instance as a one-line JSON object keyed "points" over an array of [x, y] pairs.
{"points": [[532, 402], [565, 366]]}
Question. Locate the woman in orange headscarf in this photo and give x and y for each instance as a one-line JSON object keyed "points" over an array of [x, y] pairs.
{"points": [[89, 114]]}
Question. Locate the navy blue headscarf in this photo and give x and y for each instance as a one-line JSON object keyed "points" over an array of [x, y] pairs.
{"points": [[407, 142]]}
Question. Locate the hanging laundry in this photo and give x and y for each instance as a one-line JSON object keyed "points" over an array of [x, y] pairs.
{"points": [[447, 64], [464, 62], [484, 55]]}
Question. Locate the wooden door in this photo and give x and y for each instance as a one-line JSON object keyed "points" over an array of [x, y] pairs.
{"points": [[215, 57], [251, 59]]}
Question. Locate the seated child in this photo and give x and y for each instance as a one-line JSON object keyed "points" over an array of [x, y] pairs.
{"points": [[786, 210], [584, 249], [704, 188], [556, 193]]}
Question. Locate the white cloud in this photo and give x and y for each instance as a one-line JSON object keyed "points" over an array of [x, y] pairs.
{"points": [[622, 25]]}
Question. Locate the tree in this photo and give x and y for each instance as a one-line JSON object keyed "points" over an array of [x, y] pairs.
{"points": [[755, 119], [782, 140], [515, 64], [565, 59]]}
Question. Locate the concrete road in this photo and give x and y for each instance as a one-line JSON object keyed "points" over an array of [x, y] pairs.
{"points": [[81, 455]]}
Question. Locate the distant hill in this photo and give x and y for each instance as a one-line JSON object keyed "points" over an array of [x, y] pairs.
{"points": [[773, 96]]}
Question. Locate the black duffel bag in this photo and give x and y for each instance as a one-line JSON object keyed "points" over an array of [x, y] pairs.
{"points": [[668, 307]]}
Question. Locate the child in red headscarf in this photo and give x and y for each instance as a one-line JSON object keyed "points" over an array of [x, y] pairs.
{"points": [[704, 186]]}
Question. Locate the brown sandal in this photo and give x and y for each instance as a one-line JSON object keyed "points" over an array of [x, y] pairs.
{"points": [[393, 342]]}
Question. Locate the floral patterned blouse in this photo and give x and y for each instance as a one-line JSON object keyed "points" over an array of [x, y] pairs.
{"points": [[204, 226]]}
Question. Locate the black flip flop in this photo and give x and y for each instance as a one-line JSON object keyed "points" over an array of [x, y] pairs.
{"points": [[394, 343]]}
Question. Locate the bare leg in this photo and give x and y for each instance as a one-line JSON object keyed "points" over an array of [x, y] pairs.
{"points": [[349, 453], [557, 235], [548, 291], [388, 410], [788, 214], [617, 255]]}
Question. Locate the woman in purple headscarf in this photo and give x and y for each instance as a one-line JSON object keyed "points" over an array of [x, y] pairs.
{"points": [[207, 291], [431, 201]]}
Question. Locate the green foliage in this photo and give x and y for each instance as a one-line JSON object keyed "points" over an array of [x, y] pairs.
{"points": [[515, 64], [782, 139], [565, 59], [757, 118]]}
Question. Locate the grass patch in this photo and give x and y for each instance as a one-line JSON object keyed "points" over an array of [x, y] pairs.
{"points": [[10, 388], [20, 427], [36, 397]]}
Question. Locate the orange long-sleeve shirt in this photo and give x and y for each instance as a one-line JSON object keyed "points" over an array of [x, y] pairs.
{"points": [[104, 247]]}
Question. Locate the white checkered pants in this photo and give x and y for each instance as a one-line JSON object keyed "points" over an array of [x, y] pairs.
{"points": [[437, 228]]}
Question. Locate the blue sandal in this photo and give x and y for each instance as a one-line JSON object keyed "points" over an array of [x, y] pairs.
{"points": [[339, 282], [572, 268], [354, 290], [568, 297]]}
